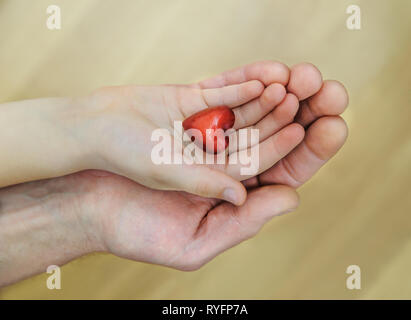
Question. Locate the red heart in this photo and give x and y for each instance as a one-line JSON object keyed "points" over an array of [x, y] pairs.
{"points": [[221, 117]]}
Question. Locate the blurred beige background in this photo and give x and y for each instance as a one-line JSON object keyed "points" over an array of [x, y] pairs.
{"points": [[357, 210]]}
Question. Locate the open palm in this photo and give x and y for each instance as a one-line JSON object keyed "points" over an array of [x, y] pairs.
{"points": [[185, 231], [122, 119]]}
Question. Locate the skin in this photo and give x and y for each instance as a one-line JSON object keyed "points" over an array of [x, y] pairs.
{"points": [[111, 130], [100, 211]]}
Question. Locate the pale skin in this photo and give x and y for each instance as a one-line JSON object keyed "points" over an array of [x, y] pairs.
{"points": [[57, 220], [111, 129]]}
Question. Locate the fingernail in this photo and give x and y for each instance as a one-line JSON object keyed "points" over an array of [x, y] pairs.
{"points": [[230, 195]]}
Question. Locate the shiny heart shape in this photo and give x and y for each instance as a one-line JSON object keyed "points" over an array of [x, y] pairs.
{"points": [[218, 119]]}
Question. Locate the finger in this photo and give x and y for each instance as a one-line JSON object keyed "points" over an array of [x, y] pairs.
{"points": [[267, 72], [227, 225], [322, 140], [331, 100], [250, 113], [266, 154], [205, 182], [233, 95], [305, 80], [277, 119]]}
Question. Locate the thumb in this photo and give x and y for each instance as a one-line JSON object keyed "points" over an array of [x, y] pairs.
{"points": [[227, 226], [206, 182]]}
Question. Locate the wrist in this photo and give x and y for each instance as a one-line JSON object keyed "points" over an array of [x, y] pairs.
{"points": [[88, 121], [108, 124], [40, 225], [76, 120]]}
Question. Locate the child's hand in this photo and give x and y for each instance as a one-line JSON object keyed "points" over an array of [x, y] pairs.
{"points": [[117, 124]]}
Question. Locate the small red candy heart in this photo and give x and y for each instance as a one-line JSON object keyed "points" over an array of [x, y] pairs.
{"points": [[221, 117]]}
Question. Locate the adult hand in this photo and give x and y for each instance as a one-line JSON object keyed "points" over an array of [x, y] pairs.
{"points": [[185, 231], [320, 105], [99, 211]]}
